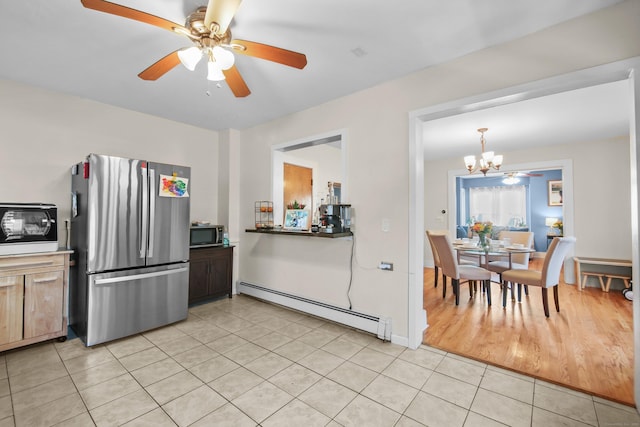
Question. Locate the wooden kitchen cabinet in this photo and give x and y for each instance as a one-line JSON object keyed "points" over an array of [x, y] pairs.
{"points": [[210, 273], [11, 294], [33, 298]]}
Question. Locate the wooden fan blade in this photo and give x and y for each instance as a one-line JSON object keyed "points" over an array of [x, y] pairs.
{"points": [[161, 67], [270, 53], [236, 82], [136, 15], [221, 12]]}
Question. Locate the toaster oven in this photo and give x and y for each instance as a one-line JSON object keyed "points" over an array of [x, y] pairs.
{"points": [[28, 228]]}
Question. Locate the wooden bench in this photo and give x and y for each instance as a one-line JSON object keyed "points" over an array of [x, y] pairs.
{"points": [[581, 277], [625, 280], [587, 274]]}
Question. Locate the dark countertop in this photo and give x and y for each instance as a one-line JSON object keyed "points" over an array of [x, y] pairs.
{"points": [[282, 232]]}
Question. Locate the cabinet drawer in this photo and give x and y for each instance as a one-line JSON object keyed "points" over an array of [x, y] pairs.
{"points": [[12, 263]]}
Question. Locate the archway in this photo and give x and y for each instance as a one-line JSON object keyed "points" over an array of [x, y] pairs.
{"points": [[623, 70]]}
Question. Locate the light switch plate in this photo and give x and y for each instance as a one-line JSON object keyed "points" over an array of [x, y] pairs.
{"points": [[388, 266]]}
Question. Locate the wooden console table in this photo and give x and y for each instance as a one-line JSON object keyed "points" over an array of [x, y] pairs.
{"points": [[601, 275]]}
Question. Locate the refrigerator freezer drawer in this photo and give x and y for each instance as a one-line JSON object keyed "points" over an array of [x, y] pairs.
{"points": [[128, 302]]}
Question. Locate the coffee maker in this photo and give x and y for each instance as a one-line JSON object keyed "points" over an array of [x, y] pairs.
{"points": [[335, 218]]}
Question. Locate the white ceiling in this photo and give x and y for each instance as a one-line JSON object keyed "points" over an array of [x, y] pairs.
{"points": [[583, 115], [350, 45]]}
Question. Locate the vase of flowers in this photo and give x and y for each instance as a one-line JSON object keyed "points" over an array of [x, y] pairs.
{"points": [[559, 226], [482, 229]]}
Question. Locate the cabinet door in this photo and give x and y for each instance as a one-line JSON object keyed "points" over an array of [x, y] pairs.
{"points": [[43, 303], [198, 277], [11, 293], [221, 270]]}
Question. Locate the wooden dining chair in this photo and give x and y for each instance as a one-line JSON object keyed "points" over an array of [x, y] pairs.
{"points": [[456, 272], [549, 277]]}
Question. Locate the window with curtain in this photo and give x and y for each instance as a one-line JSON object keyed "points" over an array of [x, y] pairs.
{"points": [[500, 205]]}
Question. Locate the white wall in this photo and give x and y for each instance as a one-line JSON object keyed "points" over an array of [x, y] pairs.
{"points": [[602, 203], [42, 134]]}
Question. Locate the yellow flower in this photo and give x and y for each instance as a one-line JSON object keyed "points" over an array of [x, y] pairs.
{"points": [[482, 227]]}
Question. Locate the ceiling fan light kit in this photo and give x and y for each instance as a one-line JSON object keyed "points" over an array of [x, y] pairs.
{"points": [[190, 57], [488, 159], [511, 180], [208, 28], [214, 72]]}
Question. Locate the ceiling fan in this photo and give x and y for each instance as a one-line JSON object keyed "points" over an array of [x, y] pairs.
{"points": [[208, 28], [518, 174], [511, 178]]}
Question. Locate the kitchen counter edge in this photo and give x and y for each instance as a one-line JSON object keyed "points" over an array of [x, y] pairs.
{"points": [[300, 233]]}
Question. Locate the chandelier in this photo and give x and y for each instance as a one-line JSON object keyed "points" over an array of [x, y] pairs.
{"points": [[487, 159]]}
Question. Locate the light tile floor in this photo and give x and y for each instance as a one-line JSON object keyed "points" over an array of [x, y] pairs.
{"points": [[242, 362]]}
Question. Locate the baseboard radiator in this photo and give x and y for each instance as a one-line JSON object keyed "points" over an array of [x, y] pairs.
{"points": [[380, 326]]}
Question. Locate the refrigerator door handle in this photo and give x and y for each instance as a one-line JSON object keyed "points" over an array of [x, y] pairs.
{"points": [[144, 210], [139, 276], [152, 213]]}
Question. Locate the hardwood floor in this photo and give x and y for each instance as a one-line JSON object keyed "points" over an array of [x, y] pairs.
{"points": [[587, 346]]}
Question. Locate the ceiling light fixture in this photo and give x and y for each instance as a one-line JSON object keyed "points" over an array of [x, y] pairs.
{"points": [[511, 180], [214, 72], [190, 57], [223, 57], [487, 160], [219, 59]]}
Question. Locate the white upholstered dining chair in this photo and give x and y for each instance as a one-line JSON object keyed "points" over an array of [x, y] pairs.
{"points": [[549, 277], [456, 272]]}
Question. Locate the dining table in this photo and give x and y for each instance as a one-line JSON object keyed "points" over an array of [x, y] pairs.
{"points": [[485, 256], [494, 252]]}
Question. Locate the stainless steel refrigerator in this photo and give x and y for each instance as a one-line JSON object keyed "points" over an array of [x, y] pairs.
{"points": [[130, 236]]}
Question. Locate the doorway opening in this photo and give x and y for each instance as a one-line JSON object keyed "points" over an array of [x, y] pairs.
{"points": [[623, 70], [323, 158]]}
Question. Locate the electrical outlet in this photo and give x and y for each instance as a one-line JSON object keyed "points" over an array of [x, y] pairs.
{"points": [[388, 266]]}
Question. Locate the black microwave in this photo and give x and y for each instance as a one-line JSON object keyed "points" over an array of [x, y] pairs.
{"points": [[28, 228], [205, 235]]}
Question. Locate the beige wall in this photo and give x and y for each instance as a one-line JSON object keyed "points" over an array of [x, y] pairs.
{"points": [[42, 134]]}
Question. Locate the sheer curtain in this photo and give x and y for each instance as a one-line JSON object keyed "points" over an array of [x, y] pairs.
{"points": [[498, 204]]}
